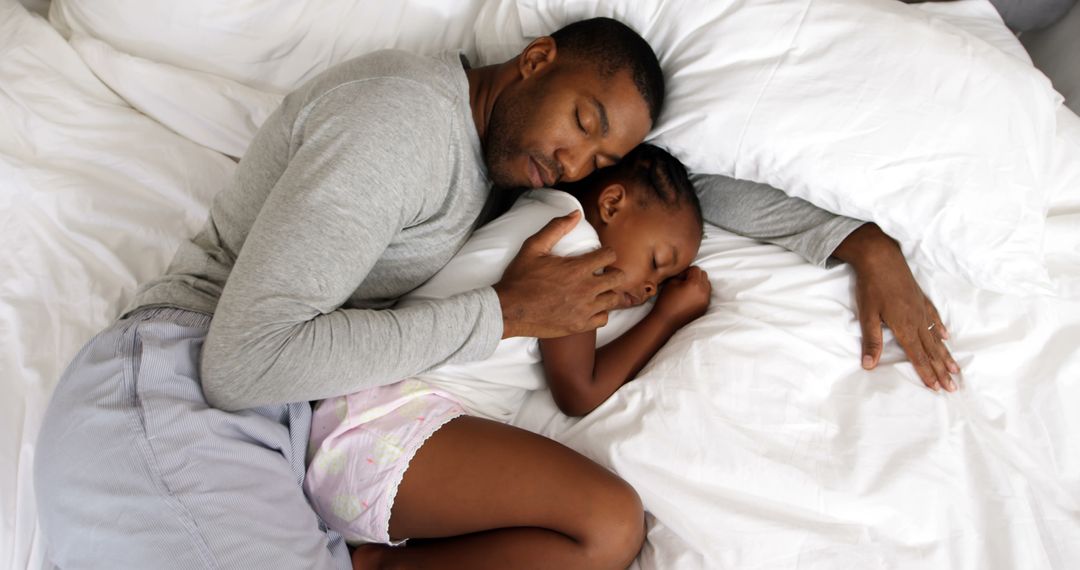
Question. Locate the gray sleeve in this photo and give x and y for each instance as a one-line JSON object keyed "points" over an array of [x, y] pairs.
{"points": [[280, 333], [762, 212]]}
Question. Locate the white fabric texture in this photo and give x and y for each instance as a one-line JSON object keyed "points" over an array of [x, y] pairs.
{"points": [[754, 437], [496, 387], [213, 71], [94, 198], [871, 109], [216, 112], [756, 440], [272, 45]]}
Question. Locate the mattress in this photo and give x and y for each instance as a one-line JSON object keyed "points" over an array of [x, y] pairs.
{"points": [[754, 437]]}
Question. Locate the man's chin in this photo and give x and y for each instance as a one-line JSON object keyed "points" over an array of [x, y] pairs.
{"points": [[501, 181], [510, 187]]}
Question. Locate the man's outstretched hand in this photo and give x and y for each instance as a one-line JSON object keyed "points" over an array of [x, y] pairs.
{"points": [[547, 296], [886, 294]]}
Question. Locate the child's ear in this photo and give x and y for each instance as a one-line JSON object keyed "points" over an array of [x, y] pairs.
{"points": [[612, 201]]}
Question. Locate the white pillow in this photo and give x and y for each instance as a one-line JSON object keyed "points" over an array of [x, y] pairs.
{"points": [[497, 386], [214, 111], [273, 45], [871, 109]]}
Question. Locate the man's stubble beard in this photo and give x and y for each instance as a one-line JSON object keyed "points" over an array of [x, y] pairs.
{"points": [[499, 148]]}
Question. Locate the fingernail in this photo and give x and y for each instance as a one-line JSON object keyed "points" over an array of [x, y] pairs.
{"points": [[867, 362], [952, 385], [954, 368]]}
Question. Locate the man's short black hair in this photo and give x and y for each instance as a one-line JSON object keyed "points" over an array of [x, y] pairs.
{"points": [[614, 47]]}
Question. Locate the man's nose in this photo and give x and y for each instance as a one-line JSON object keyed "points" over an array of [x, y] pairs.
{"points": [[574, 165], [650, 289]]}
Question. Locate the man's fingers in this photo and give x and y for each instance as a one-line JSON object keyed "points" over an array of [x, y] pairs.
{"points": [[921, 352], [920, 360], [596, 321], [939, 325], [542, 241], [871, 340], [932, 347], [942, 352], [608, 280], [596, 261], [941, 334], [607, 301], [926, 372], [935, 346]]}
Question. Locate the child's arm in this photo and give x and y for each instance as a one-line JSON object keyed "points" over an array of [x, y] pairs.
{"points": [[582, 376]]}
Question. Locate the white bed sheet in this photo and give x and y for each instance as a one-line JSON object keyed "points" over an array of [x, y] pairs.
{"points": [[754, 437], [94, 198], [757, 441]]}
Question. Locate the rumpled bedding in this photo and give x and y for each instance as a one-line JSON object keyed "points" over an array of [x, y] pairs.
{"points": [[754, 437], [94, 199]]}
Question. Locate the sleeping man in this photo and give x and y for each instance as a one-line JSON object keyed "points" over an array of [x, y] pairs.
{"points": [[176, 437]]}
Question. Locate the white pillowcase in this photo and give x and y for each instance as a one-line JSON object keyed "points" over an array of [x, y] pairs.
{"points": [[214, 111], [213, 71], [871, 109], [272, 45]]}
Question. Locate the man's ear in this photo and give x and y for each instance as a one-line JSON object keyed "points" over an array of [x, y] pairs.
{"points": [[612, 201], [536, 56]]}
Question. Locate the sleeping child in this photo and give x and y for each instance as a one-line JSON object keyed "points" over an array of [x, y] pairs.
{"points": [[361, 454]]}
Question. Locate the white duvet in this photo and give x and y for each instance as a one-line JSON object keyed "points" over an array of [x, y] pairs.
{"points": [[754, 438]]}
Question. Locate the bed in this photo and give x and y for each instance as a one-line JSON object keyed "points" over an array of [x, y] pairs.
{"points": [[754, 438]]}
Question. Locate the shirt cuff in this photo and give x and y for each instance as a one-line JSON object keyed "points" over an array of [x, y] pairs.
{"points": [[833, 233], [487, 331]]}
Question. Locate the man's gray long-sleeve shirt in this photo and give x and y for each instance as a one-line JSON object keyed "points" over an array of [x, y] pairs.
{"points": [[360, 187]]}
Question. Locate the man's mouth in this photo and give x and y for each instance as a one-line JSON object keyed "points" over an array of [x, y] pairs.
{"points": [[631, 301], [548, 176], [535, 179]]}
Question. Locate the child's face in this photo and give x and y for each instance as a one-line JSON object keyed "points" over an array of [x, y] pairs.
{"points": [[652, 242]]}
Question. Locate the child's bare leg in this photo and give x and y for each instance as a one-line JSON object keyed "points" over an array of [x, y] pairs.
{"points": [[520, 500]]}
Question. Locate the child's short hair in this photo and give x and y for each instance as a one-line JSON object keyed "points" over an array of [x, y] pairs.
{"points": [[651, 168]]}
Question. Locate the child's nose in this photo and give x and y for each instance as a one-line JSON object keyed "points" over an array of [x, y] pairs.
{"points": [[650, 290]]}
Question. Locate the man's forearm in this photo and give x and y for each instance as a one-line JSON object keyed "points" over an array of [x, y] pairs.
{"points": [[762, 212], [260, 353]]}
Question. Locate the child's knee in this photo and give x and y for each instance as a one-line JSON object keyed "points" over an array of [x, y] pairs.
{"points": [[618, 527]]}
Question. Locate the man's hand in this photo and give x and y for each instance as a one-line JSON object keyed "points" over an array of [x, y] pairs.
{"points": [[887, 294], [547, 296]]}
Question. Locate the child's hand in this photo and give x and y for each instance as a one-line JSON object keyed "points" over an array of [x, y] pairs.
{"points": [[685, 296]]}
